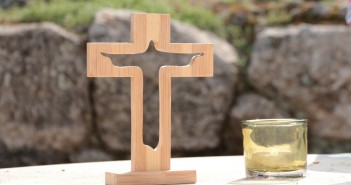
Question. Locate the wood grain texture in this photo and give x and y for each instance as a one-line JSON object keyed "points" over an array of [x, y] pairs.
{"points": [[147, 28], [154, 177]]}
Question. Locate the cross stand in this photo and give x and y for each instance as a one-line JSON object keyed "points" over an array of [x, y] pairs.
{"points": [[150, 166]]}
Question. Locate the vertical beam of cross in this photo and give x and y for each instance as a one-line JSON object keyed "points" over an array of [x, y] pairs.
{"points": [[146, 28]]}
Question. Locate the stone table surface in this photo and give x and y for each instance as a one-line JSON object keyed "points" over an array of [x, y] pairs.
{"points": [[334, 169]]}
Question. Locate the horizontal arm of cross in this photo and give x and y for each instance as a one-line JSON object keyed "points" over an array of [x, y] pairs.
{"points": [[115, 48], [101, 66]]}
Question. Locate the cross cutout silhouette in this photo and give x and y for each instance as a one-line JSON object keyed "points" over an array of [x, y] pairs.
{"points": [[144, 29]]}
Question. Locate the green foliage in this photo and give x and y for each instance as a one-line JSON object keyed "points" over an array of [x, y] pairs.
{"points": [[278, 17], [72, 13], [241, 38], [202, 19]]}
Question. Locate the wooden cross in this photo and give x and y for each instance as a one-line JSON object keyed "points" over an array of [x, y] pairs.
{"points": [[150, 166]]}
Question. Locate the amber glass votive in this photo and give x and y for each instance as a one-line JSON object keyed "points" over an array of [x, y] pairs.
{"points": [[275, 147]]}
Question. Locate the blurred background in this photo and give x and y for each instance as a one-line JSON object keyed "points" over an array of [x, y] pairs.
{"points": [[273, 59]]}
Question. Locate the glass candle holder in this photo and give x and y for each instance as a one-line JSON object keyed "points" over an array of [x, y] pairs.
{"points": [[275, 147]]}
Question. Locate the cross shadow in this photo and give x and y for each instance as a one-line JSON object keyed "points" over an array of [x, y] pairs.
{"points": [[338, 163], [262, 181]]}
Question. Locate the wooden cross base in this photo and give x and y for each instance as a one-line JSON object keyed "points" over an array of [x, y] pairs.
{"points": [[151, 177]]}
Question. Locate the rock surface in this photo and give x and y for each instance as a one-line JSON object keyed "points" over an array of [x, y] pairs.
{"points": [[248, 106], [199, 105], [90, 155], [44, 107], [307, 70]]}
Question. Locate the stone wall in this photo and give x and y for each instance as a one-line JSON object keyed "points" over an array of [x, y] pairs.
{"points": [[306, 70], [44, 103], [50, 112]]}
